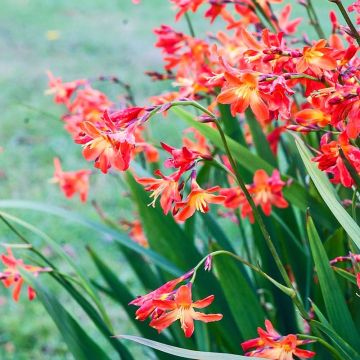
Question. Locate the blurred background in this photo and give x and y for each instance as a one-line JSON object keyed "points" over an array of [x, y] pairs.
{"points": [[73, 39]]}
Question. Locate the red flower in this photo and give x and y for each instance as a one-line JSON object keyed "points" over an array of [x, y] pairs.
{"points": [[271, 345], [146, 302], [198, 199], [62, 91], [241, 90], [182, 308], [316, 58], [136, 232], [10, 276], [72, 182], [310, 117], [167, 187], [358, 279], [182, 159], [331, 161]]}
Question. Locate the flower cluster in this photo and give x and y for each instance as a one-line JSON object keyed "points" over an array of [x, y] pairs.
{"points": [[11, 276], [271, 345], [167, 304]]}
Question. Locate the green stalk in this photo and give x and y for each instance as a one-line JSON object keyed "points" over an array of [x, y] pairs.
{"points": [[314, 21], [344, 13], [322, 342], [190, 25]]}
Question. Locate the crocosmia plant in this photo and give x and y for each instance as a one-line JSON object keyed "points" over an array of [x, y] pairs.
{"points": [[243, 179]]}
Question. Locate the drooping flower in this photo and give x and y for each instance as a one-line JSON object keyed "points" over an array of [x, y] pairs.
{"points": [[271, 345], [182, 308], [167, 187], [72, 182], [198, 200], [11, 276], [146, 303]]}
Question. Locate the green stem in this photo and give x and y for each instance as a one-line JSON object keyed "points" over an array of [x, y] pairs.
{"points": [[259, 8], [189, 23], [322, 342], [344, 13], [314, 19]]}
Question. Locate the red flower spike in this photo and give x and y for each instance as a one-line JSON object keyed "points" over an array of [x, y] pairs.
{"points": [[72, 182], [11, 276], [182, 308], [271, 345]]}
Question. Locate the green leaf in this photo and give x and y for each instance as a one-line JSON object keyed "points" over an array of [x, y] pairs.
{"points": [[295, 193], [123, 296], [240, 295], [217, 232], [102, 229], [59, 250], [260, 141], [335, 304], [231, 124], [345, 274], [92, 313], [77, 340], [184, 353], [327, 192], [341, 345]]}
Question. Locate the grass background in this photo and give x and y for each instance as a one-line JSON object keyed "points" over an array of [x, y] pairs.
{"points": [[96, 37]]}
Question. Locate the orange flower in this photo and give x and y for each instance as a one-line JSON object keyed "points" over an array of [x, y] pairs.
{"points": [[182, 308], [241, 91], [331, 161], [271, 345], [109, 148], [72, 182], [198, 199], [136, 232], [308, 117], [167, 187], [266, 191], [62, 91], [316, 58], [10, 276], [146, 303]]}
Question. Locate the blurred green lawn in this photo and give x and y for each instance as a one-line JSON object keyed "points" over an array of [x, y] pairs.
{"points": [[95, 38]]}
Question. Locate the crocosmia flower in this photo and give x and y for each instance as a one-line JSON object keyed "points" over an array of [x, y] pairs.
{"points": [[241, 91], [146, 303], [331, 160], [198, 200], [271, 345], [11, 276], [182, 308], [72, 182], [165, 187]]}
